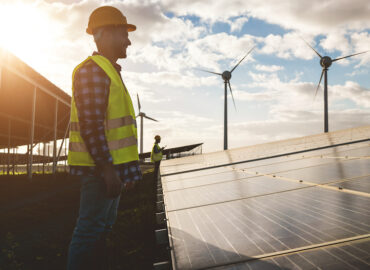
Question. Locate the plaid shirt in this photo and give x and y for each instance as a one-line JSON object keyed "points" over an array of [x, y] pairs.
{"points": [[91, 92]]}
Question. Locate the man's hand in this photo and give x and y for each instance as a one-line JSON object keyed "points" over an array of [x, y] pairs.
{"points": [[112, 182]]}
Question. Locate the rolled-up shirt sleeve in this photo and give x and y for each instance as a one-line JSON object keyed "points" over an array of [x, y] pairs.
{"points": [[91, 93]]}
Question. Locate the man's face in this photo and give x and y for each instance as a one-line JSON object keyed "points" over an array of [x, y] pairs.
{"points": [[120, 41]]}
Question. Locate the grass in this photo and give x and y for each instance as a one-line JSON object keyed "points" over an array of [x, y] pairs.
{"points": [[38, 217]]}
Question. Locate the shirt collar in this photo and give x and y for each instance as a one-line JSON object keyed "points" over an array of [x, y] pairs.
{"points": [[115, 65]]}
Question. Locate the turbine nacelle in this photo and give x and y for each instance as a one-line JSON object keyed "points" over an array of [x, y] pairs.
{"points": [[326, 61], [226, 75]]}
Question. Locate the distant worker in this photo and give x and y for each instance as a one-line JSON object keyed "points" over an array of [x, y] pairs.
{"points": [[157, 155], [103, 149]]}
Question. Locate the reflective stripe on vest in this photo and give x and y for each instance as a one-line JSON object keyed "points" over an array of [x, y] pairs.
{"points": [[113, 145], [119, 125], [110, 124]]}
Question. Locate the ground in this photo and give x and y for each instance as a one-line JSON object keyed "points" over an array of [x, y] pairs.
{"points": [[38, 217]]}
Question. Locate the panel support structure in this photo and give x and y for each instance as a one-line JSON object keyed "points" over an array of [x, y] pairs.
{"points": [[55, 137], [9, 137], [30, 156], [43, 158]]}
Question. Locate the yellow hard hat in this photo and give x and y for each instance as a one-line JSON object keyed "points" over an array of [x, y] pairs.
{"points": [[107, 15], [157, 137]]}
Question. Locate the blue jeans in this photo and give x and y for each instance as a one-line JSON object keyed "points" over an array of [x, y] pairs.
{"points": [[97, 215]]}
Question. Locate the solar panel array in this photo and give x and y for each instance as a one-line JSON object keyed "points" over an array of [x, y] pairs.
{"points": [[298, 211], [265, 150]]}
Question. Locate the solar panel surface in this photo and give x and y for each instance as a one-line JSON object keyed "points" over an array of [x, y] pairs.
{"points": [[300, 211]]}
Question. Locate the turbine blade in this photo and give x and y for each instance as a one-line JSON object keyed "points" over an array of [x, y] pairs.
{"points": [[242, 59], [138, 102], [209, 71], [348, 56], [317, 89], [311, 47], [151, 118], [231, 91]]}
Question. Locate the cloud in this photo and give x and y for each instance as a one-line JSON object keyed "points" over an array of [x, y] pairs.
{"points": [[361, 43], [292, 123], [287, 46], [352, 91], [237, 24], [209, 50], [271, 68], [259, 96], [169, 79], [316, 16]]}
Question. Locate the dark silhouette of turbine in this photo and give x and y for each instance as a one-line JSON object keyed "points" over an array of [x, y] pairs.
{"points": [[226, 76], [326, 62]]}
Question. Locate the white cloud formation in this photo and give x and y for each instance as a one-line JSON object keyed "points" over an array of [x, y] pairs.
{"points": [[237, 24], [287, 46], [314, 16], [352, 91], [271, 68]]}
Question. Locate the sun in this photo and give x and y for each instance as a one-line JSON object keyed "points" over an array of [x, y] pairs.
{"points": [[25, 30]]}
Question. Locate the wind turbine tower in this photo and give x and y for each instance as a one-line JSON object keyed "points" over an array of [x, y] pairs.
{"points": [[226, 76], [142, 116], [325, 63]]}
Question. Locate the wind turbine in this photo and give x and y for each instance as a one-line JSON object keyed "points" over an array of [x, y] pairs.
{"points": [[226, 76], [142, 116], [325, 62]]}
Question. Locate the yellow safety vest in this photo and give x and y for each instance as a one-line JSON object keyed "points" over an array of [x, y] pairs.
{"points": [[120, 122], [156, 156]]}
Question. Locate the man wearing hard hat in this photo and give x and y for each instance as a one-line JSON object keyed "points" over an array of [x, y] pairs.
{"points": [[103, 149], [156, 155]]}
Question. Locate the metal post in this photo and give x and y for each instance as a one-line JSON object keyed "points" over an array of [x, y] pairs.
{"points": [[47, 158], [38, 158], [16, 160], [30, 157], [326, 112], [13, 167], [43, 159], [225, 118], [9, 136], [65, 154], [55, 137], [27, 156], [141, 133], [64, 138]]}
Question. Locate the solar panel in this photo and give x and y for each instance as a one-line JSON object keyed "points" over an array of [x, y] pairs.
{"points": [[299, 211], [307, 143]]}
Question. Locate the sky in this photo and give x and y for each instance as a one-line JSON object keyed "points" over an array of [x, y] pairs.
{"points": [[274, 87]]}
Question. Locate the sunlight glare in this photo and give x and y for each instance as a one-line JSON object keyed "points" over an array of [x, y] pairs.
{"points": [[26, 31]]}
